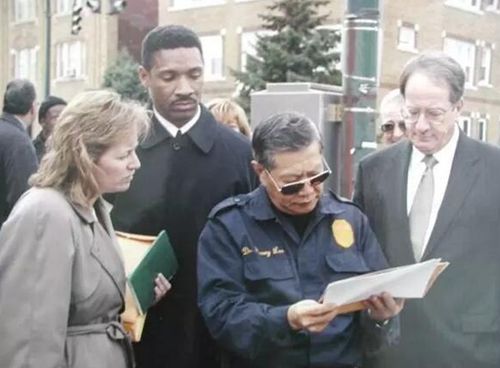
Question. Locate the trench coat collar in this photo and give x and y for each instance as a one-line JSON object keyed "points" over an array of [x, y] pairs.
{"points": [[203, 133]]}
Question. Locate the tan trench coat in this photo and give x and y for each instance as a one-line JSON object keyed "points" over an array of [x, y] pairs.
{"points": [[61, 286]]}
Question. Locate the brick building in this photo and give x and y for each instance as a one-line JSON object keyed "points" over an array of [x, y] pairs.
{"points": [[467, 29]]}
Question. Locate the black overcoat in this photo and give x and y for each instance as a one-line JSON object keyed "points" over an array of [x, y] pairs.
{"points": [[179, 182]]}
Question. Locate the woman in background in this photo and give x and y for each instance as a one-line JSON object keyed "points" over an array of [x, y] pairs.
{"points": [[62, 281], [230, 113]]}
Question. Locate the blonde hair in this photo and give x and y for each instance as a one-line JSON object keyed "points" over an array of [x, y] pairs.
{"points": [[91, 123], [226, 111]]}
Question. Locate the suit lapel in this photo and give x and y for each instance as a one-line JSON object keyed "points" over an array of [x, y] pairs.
{"points": [[396, 189], [464, 173]]}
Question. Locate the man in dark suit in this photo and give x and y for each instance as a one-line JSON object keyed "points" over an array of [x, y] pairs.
{"points": [[17, 154], [189, 164], [437, 196]]}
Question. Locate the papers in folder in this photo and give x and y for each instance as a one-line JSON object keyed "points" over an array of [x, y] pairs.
{"points": [[144, 257], [412, 281]]}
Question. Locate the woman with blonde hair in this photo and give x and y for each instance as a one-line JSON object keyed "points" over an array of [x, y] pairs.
{"points": [[62, 281], [230, 113]]}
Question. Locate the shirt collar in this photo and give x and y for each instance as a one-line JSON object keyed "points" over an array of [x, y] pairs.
{"points": [[171, 128], [445, 154]]}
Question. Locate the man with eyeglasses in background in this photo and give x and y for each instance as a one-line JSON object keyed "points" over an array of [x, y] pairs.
{"points": [[265, 258], [392, 125], [437, 196]]}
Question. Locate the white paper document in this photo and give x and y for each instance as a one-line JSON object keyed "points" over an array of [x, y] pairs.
{"points": [[410, 281]]}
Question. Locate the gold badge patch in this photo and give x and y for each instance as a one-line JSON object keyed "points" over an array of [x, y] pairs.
{"points": [[343, 233]]}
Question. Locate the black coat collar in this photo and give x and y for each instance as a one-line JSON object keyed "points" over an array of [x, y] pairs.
{"points": [[203, 133]]}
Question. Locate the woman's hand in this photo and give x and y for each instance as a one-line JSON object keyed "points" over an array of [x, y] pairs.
{"points": [[162, 286]]}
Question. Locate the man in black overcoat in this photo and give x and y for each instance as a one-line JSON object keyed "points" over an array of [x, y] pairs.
{"points": [[189, 164], [17, 154]]}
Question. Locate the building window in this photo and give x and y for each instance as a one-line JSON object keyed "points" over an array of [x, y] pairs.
{"points": [[182, 4], [470, 5], [465, 54], [464, 122], [482, 129], [485, 66], [24, 10], [26, 63], [492, 5], [66, 6], [213, 54], [70, 60], [407, 37]]}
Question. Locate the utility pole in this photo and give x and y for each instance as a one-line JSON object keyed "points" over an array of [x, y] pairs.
{"points": [[48, 37], [361, 27]]}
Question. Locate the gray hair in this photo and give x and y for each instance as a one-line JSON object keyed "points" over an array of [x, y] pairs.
{"points": [[19, 97], [283, 132], [439, 67]]}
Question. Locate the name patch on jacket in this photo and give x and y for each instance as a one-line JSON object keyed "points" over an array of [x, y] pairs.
{"points": [[343, 233], [245, 251]]}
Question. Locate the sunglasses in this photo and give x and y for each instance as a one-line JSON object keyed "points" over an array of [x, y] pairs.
{"points": [[297, 186], [389, 127]]}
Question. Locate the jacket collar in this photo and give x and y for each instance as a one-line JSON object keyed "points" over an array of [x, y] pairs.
{"points": [[13, 120], [203, 133]]}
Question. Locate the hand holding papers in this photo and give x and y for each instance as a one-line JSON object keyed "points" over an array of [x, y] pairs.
{"points": [[412, 281]]}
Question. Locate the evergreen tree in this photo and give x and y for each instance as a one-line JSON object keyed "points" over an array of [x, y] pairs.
{"points": [[297, 50], [122, 76]]}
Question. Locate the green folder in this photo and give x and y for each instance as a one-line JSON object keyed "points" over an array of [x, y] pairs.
{"points": [[160, 258]]}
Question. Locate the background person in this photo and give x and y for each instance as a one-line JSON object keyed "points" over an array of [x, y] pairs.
{"points": [[189, 164], [435, 196], [392, 125], [17, 155], [266, 257], [62, 281], [48, 112], [230, 113]]}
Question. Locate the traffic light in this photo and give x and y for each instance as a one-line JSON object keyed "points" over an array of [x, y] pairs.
{"points": [[94, 5], [76, 19], [116, 6]]}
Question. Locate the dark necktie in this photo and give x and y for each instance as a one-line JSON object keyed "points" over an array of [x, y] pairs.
{"points": [[421, 209]]}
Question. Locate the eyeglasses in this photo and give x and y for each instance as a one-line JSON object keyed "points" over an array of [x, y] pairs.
{"points": [[435, 116], [390, 125], [297, 186]]}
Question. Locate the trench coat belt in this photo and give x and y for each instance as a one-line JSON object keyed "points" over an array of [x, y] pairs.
{"points": [[113, 329]]}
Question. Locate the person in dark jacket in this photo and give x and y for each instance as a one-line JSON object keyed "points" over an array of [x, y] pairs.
{"points": [[266, 257], [17, 155], [49, 111], [189, 164]]}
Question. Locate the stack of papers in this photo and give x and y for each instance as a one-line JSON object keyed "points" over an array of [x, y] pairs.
{"points": [[412, 281]]}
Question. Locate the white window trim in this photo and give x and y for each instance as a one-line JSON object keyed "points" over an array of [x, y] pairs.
{"points": [[83, 62], [205, 4], [222, 76], [469, 9], [31, 19], [402, 47], [493, 8], [468, 84]]}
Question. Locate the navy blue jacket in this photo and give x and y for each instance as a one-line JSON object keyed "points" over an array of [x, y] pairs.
{"points": [[252, 266]]}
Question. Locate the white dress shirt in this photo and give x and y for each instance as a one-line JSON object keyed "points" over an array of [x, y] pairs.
{"points": [[441, 173], [171, 128]]}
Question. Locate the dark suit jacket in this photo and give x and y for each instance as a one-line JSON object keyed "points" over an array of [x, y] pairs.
{"points": [[458, 323], [179, 182], [17, 162]]}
